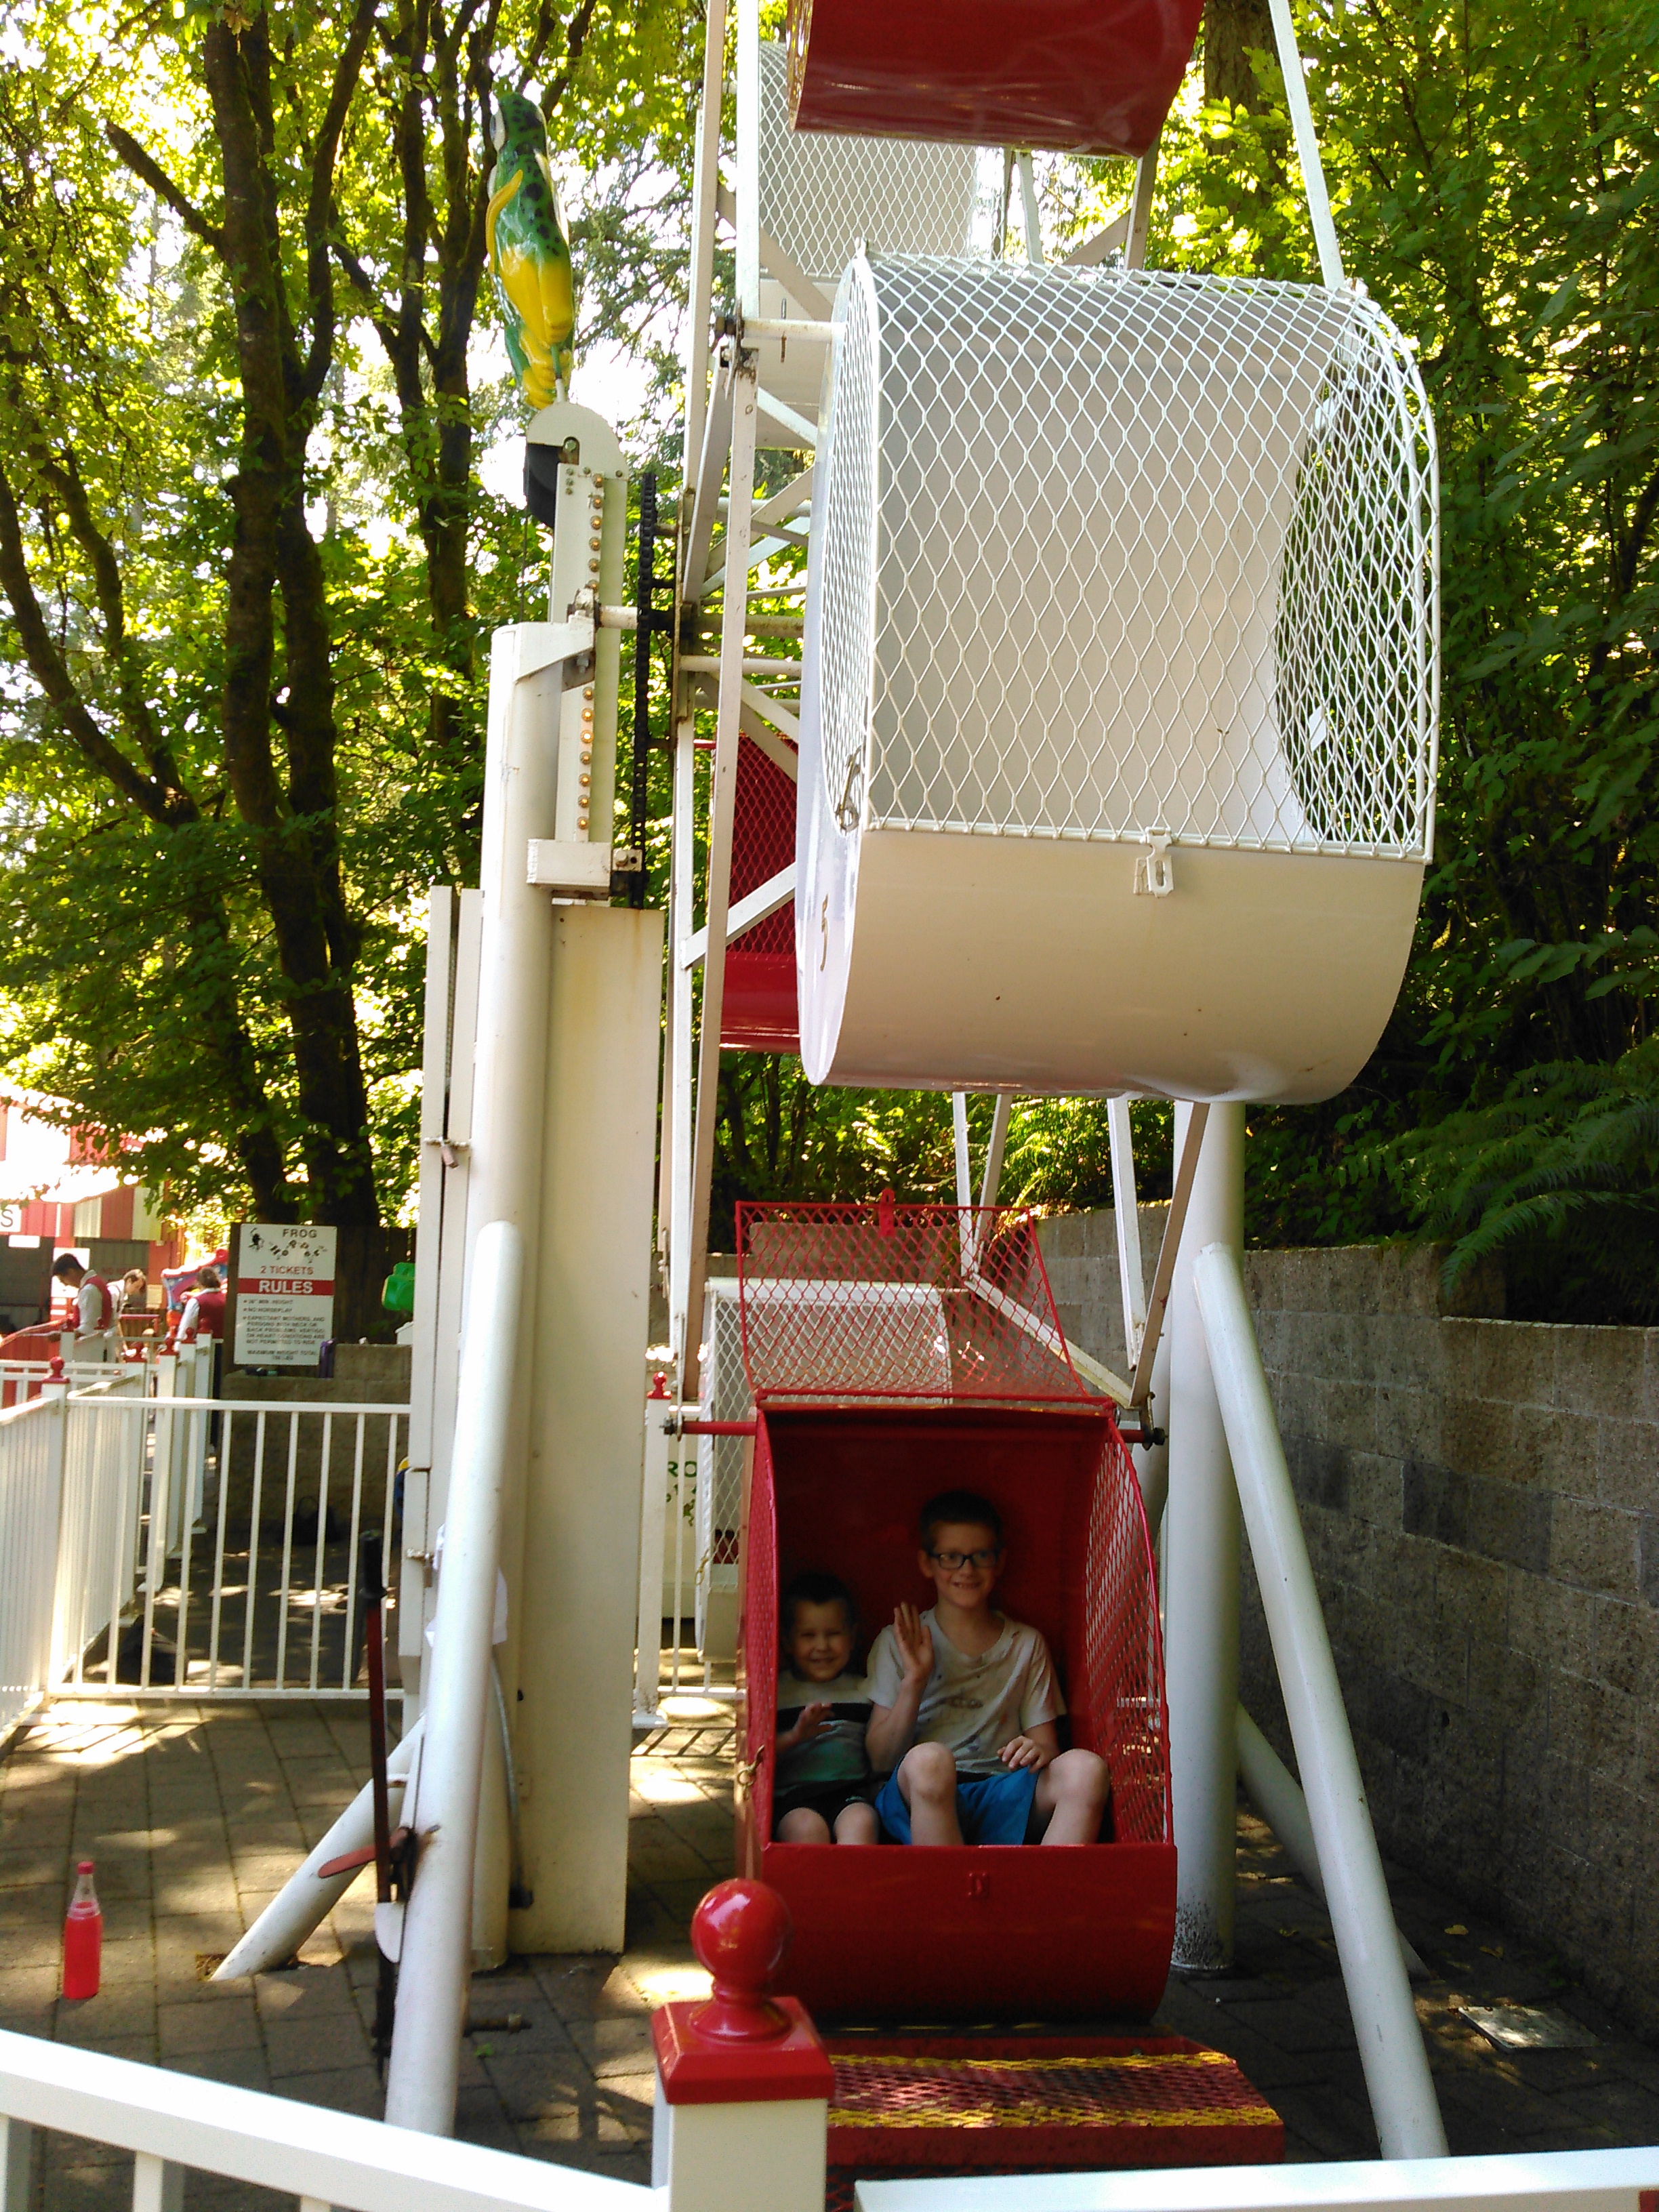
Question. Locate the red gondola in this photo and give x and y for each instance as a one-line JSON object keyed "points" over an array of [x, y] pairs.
{"points": [[759, 1011], [894, 1351], [1083, 77]]}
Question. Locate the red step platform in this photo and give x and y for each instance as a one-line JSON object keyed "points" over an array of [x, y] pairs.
{"points": [[926, 2106]]}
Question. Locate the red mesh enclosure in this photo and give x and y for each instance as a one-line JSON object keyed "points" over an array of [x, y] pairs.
{"points": [[1055, 1934], [757, 1657], [1121, 1680], [759, 1011], [882, 1301], [842, 1490], [762, 841]]}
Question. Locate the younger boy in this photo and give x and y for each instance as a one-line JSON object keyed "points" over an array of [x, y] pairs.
{"points": [[822, 1787], [963, 1703]]}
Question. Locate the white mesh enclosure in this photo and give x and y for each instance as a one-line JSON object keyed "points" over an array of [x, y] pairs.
{"points": [[820, 193], [1104, 555], [727, 1397]]}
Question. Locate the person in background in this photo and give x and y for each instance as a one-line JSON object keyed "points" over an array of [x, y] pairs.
{"points": [[94, 1306], [134, 1294], [204, 1309]]}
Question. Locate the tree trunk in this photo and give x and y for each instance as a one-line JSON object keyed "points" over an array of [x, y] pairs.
{"points": [[1232, 28]]}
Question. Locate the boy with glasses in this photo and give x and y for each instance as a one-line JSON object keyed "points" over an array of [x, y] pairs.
{"points": [[963, 1703]]}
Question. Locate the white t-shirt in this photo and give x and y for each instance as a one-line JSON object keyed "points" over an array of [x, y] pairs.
{"points": [[974, 1705]]}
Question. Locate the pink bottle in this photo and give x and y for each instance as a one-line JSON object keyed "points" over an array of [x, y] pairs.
{"points": [[83, 1937]]}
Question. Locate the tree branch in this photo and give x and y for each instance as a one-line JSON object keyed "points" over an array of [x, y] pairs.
{"points": [[136, 714], [320, 205], [1636, 537], [50, 672], [151, 173]]}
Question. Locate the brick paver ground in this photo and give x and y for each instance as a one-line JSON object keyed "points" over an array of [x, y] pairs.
{"points": [[197, 1815]]}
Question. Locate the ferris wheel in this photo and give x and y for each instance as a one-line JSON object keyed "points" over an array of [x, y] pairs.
{"points": [[1073, 695], [1093, 749]]}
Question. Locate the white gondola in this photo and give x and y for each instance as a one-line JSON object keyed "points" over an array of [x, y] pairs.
{"points": [[1119, 697]]}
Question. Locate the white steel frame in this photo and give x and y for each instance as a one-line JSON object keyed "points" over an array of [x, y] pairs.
{"points": [[726, 401]]}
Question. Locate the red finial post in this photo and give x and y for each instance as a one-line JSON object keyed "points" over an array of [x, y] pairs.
{"points": [[55, 1367], [741, 2047], [740, 1932], [660, 1385], [886, 1218]]}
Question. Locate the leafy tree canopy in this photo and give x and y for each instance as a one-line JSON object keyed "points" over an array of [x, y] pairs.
{"points": [[248, 564], [247, 371]]}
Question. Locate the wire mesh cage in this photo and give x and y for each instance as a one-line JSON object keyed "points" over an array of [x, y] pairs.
{"points": [[1109, 554], [719, 1505], [820, 195], [837, 1484], [758, 1007], [1108, 566], [898, 1302]]}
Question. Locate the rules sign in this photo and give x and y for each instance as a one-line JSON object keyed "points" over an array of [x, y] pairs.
{"points": [[284, 1294]]}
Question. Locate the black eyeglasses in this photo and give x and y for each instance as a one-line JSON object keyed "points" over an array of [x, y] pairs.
{"points": [[954, 1560]]}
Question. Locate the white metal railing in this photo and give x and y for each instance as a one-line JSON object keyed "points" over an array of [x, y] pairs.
{"points": [[158, 1542], [22, 1380], [30, 1480], [175, 2124], [1539, 2181], [100, 1500]]}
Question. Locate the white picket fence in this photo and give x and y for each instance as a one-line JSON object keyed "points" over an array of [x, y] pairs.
{"points": [[156, 1541], [65, 1570], [175, 2124], [736, 2160]]}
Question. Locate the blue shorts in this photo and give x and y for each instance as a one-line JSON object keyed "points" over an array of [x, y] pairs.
{"points": [[991, 1808]]}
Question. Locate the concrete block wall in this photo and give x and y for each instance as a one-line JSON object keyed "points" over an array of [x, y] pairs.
{"points": [[1481, 1503]]}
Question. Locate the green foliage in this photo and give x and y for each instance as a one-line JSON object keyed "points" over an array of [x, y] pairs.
{"points": [[1495, 174], [147, 976], [1559, 1179]]}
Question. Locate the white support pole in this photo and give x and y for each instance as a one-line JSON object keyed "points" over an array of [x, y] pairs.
{"points": [[1027, 194], [1126, 1215], [721, 799], [654, 1538], [1001, 1115], [705, 188], [440, 907], [158, 2185], [1153, 1460], [959, 1136], [1201, 1554], [678, 1139], [452, 1248], [436, 1959], [1189, 1139], [1277, 1795], [16, 2166], [1391, 2052], [1307, 145], [1140, 207], [304, 1901], [748, 193]]}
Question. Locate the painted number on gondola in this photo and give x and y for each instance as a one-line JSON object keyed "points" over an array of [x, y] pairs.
{"points": [[978, 1885]]}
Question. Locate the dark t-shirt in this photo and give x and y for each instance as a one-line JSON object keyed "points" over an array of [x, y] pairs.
{"points": [[836, 1752]]}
